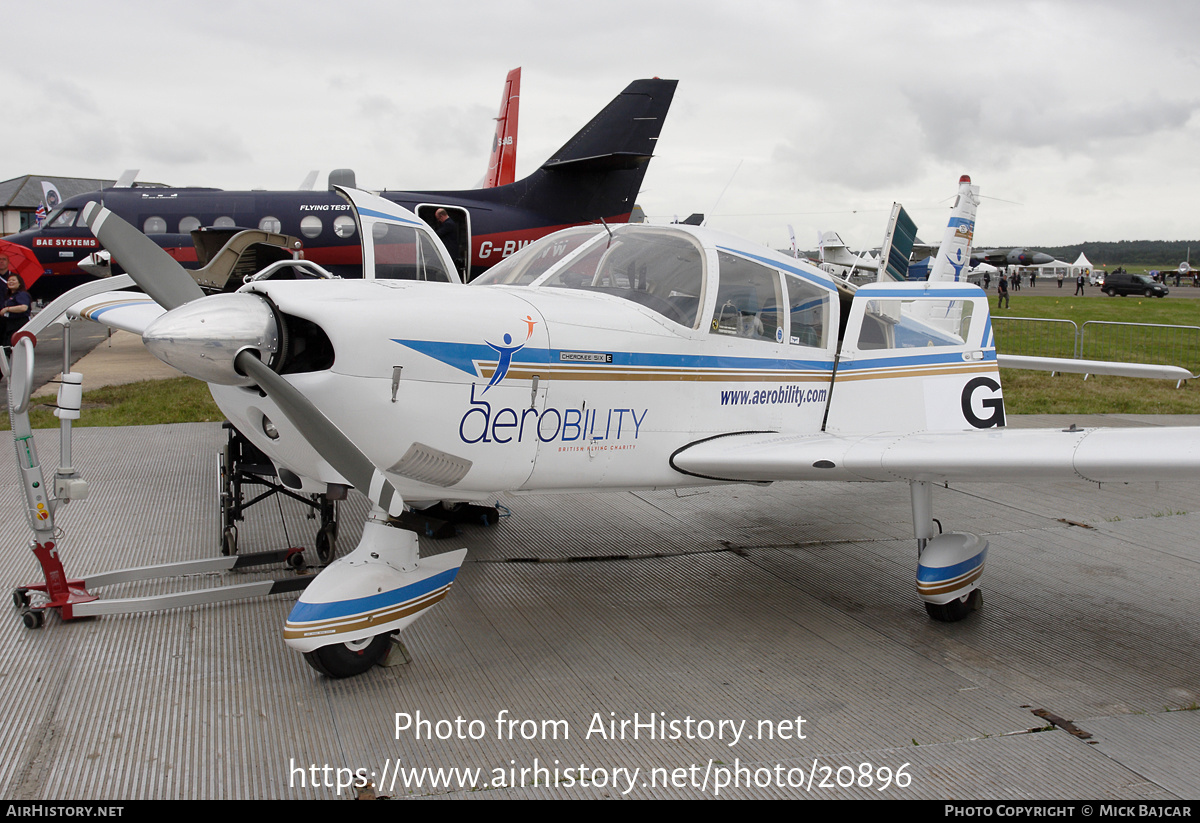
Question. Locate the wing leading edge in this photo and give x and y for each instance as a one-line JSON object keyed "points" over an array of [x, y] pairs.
{"points": [[1098, 455]]}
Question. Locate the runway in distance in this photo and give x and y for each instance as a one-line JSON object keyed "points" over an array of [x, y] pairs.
{"points": [[594, 176], [598, 358]]}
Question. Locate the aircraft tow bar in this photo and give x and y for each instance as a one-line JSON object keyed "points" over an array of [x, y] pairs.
{"points": [[72, 597]]}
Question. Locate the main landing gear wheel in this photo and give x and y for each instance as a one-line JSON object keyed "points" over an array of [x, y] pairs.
{"points": [[955, 610], [326, 543], [229, 541], [349, 659]]}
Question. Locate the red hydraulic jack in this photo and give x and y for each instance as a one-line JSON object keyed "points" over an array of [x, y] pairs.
{"points": [[72, 597]]}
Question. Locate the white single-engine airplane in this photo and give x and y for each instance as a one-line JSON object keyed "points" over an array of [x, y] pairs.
{"points": [[629, 357]]}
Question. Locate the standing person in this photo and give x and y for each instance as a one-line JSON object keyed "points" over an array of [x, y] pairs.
{"points": [[1079, 281], [447, 232], [17, 303], [1002, 292], [1060, 278], [987, 280]]}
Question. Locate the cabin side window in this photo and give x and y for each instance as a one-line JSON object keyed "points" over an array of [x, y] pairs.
{"points": [[62, 219], [925, 322], [748, 301], [154, 225], [310, 226], [403, 253], [271, 223], [808, 311]]}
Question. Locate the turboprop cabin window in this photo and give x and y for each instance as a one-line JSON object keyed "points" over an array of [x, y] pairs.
{"points": [[310, 226], [657, 268], [188, 225], [343, 226], [271, 224], [63, 219], [154, 225], [403, 253], [748, 301]]}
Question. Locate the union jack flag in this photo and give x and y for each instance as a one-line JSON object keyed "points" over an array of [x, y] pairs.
{"points": [[40, 215]]}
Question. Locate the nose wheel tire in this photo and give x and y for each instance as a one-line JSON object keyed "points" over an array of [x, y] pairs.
{"points": [[955, 610], [349, 659]]}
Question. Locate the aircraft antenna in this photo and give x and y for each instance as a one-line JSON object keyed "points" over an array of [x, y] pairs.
{"points": [[722, 194], [607, 229]]}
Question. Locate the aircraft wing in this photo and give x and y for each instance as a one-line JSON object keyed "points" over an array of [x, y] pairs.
{"points": [[1000, 454], [128, 311]]}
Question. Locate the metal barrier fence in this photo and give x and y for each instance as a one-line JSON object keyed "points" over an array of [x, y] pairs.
{"points": [[1141, 343], [1100, 340], [1034, 337]]}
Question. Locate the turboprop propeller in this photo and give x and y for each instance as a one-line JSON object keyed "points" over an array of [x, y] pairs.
{"points": [[344, 618]]}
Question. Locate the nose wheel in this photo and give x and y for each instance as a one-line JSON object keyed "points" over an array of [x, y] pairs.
{"points": [[349, 659], [955, 610]]}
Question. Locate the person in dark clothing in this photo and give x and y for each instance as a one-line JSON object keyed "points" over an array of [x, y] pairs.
{"points": [[1002, 292], [447, 232], [17, 303]]}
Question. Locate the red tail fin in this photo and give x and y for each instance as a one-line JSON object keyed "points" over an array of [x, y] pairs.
{"points": [[502, 166]]}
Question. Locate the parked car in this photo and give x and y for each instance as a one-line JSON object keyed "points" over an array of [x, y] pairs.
{"points": [[1124, 284]]}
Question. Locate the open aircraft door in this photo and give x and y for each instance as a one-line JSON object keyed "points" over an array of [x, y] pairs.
{"points": [[392, 248], [462, 221]]}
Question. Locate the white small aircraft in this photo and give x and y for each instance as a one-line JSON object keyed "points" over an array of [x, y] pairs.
{"points": [[629, 357]]}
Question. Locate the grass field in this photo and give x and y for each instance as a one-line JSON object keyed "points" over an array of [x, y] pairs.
{"points": [[1028, 392], [178, 400]]}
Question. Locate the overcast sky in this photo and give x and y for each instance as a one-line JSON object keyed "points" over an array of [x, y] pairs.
{"points": [[1077, 119]]}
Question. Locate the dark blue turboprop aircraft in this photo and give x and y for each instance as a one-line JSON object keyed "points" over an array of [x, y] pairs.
{"points": [[595, 176]]}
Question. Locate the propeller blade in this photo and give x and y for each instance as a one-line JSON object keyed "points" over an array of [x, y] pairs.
{"points": [[156, 272], [320, 432]]}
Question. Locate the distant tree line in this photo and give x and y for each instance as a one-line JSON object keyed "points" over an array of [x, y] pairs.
{"points": [[1160, 253]]}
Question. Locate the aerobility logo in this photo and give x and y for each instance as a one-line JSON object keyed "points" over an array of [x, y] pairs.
{"points": [[491, 420], [507, 351]]}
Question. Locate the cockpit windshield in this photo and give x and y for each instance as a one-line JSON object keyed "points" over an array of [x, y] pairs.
{"points": [[534, 260], [661, 269]]}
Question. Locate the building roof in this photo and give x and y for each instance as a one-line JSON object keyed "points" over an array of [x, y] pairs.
{"points": [[25, 192]]}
